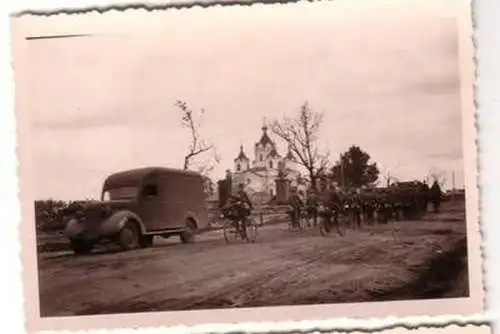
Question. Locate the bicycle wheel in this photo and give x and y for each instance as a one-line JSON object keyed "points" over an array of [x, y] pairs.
{"points": [[252, 231], [305, 222], [230, 233], [341, 226], [300, 223], [290, 226], [325, 227]]}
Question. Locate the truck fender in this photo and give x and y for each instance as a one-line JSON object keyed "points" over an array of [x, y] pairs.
{"points": [[115, 223], [192, 216], [74, 229]]}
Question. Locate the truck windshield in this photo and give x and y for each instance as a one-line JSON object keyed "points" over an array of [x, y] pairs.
{"points": [[121, 193]]}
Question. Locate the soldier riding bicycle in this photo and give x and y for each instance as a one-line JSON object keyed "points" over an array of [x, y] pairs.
{"points": [[238, 210]]}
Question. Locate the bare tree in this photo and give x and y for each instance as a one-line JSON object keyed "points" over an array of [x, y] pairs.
{"points": [[437, 175], [197, 146], [301, 134], [389, 179]]}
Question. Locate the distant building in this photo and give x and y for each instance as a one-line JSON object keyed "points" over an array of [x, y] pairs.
{"points": [[259, 175]]}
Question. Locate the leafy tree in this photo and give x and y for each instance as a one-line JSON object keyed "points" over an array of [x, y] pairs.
{"points": [[354, 169]]}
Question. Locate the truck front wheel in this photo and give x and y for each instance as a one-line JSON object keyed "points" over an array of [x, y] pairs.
{"points": [[80, 247], [129, 236]]}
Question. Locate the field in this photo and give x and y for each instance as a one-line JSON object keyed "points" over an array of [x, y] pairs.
{"points": [[403, 260]]}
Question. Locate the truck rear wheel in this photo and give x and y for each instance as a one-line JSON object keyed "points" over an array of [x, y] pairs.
{"points": [[187, 236]]}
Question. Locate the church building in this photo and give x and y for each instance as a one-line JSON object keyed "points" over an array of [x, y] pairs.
{"points": [[259, 175]]}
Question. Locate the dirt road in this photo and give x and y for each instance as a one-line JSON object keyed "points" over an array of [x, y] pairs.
{"points": [[393, 261]]}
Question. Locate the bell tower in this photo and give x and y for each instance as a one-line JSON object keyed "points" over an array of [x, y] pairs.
{"points": [[241, 162]]}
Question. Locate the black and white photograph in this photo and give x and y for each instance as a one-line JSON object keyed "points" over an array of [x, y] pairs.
{"points": [[249, 158]]}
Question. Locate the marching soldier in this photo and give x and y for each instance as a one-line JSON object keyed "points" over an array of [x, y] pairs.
{"points": [[333, 205], [355, 208], [424, 193], [383, 208], [296, 204], [312, 206], [436, 196], [369, 209]]}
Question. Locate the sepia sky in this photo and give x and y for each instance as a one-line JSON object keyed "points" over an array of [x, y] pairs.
{"points": [[385, 74]]}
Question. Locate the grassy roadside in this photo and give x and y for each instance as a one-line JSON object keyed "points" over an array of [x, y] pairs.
{"points": [[426, 261], [437, 278]]}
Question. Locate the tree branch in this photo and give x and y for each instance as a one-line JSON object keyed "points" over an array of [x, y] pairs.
{"points": [[196, 145]]}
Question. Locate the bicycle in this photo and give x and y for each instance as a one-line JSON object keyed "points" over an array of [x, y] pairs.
{"points": [[231, 229], [232, 233], [329, 219], [294, 225], [302, 223]]}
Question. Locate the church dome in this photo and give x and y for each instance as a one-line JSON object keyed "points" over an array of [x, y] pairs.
{"points": [[264, 139], [242, 155]]}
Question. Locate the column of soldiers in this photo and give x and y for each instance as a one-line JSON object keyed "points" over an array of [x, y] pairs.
{"points": [[379, 206]]}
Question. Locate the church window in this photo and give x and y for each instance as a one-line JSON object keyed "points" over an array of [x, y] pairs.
{"points": [[270, 164], [238, 167], [261, 157], [248, 181]]}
